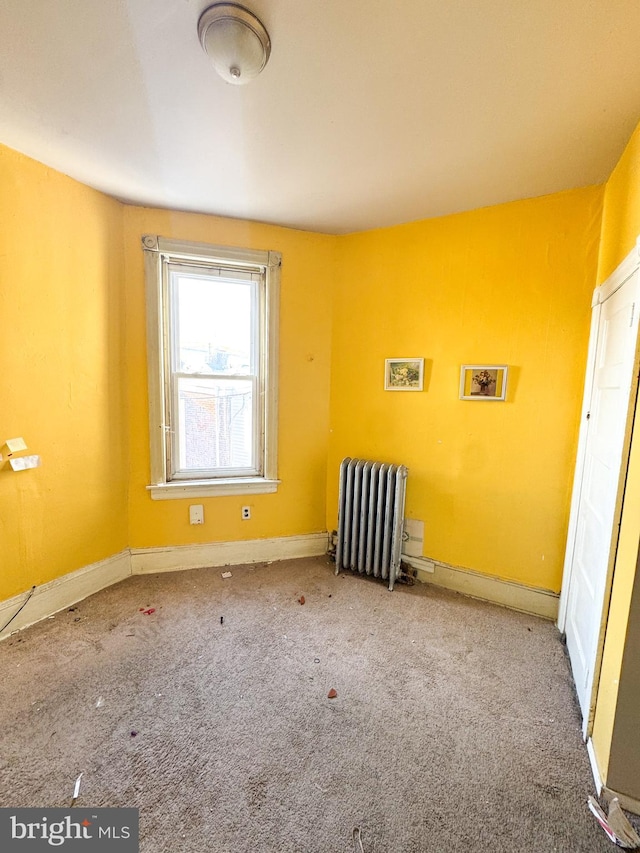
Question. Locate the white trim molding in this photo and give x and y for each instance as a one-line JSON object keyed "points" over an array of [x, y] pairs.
{"points": [[62, 592], [516, 596], [614, 282], [162, 255], [595, 770], [214, 554], [206, 488]]}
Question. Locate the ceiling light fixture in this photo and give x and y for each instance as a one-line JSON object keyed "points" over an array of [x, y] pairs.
{"points": [[235, 40]]}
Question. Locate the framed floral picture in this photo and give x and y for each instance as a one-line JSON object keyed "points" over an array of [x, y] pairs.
{"points": [[403, 374], [483, 381]]}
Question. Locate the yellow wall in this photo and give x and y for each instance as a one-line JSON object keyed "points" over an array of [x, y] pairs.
{"points": [[305, 351], [509, 284], [620, 228], [492, 481], [621, 211], [61, 378]]}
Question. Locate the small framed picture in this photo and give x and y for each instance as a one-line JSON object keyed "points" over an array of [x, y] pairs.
{"points": [[483, 381], [403, 374]]}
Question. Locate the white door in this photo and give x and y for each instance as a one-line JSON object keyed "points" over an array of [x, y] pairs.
{"points": [[599, 480]]}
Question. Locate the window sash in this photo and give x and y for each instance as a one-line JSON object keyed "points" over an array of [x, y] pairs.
{"points": [[178, 436], [176, 426]]}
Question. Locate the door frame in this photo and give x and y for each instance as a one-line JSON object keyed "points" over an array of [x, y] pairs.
{"points": [[613, 283]]}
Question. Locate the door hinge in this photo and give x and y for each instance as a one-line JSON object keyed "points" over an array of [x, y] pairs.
{"points": [[633, 313]]}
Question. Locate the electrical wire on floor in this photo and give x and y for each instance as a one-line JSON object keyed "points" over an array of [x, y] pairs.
{"points": [[24, 603], [357, 840]]}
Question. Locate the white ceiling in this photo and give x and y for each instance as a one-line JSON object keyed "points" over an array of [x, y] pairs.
{"points": [[369, 112]]}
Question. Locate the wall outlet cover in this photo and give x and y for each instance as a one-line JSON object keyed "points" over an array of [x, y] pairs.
{"points": [[196, 514]]}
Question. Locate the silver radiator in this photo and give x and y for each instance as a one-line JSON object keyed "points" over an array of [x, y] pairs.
{"points": [[370, 518]]}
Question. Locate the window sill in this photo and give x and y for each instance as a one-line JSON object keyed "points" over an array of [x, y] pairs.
{"points": [[212, 488]]}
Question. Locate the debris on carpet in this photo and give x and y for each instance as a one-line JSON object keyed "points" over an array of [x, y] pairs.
{"points": [[615, 824], [357, 840], [76, 792], [332, 694]]}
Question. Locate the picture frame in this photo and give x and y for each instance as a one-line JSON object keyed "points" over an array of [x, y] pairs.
{"points": [[403, 374], [483, 382]]}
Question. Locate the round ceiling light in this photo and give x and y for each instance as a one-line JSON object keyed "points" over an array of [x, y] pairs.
{"points": [[235, 40]]}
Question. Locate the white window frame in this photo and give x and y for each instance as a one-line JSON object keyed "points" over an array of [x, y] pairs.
{"points": [[159, 253]]}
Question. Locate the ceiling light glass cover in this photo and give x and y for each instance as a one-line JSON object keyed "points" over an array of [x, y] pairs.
{"points": [[235, 40]]}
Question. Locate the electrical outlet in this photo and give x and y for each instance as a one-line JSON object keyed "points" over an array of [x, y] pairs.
{"points": [[196, 514], [246, 513]]}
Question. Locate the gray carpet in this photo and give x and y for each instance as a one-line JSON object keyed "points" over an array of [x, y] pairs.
{"points": [[455, 725]]}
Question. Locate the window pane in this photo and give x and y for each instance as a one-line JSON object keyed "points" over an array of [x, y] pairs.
{"points": [[214, 325], [215, 423]]}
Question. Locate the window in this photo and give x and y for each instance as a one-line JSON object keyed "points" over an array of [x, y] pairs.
{"points": [[212, 323]]}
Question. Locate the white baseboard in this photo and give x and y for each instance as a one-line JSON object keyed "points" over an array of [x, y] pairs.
{"points": [[68, 589], [420, 563], [597, 778], [64, 591], [540, 602], [171, 559]]}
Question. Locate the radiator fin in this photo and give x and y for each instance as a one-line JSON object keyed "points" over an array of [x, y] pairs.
{"points": [[370, 518]]}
